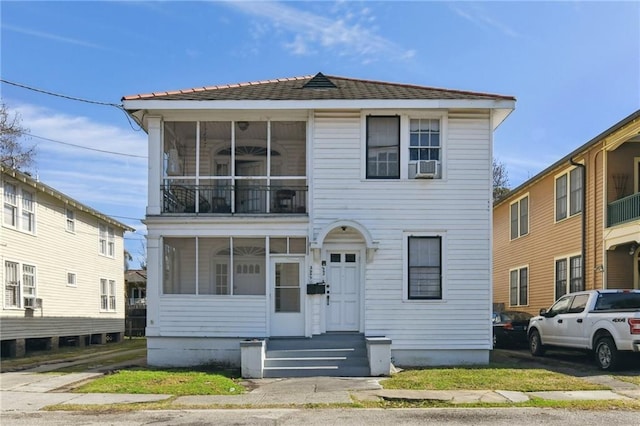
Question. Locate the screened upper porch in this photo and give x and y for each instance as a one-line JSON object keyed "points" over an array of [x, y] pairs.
{"points": [[247, 167]]}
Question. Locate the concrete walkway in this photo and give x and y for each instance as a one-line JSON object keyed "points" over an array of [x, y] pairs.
{"points": [[28, 391]]}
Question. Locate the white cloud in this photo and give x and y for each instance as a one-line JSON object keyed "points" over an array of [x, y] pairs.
{"points": [[474, 13], [112, 184], [347, 32], [56, 37]]}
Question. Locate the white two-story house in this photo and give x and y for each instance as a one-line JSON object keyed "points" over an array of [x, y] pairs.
{"points": [[319, 205], [62, 269]]}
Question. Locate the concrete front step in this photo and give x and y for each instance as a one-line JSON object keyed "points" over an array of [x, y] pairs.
{"points": [[332, 354], [330, 371]]}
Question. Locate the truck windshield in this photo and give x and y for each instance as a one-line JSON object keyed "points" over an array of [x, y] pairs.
{"points": [[607, 301]]}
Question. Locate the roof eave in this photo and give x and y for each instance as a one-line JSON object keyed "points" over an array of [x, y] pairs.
{"points": [[28, 180]]}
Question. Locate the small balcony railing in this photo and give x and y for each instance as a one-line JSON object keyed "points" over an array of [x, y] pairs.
{"points": [[246, 197], [623, 210]]}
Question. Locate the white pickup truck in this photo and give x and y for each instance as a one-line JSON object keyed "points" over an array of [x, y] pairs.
{"points": [[606, 322]]}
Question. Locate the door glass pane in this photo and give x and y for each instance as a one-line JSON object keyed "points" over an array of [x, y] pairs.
{"points": [[350, 258], [287, 287], [335, 257]]}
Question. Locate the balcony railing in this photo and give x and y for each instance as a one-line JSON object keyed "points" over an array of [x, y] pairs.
{"points": [[246, 197], [623, 210]]}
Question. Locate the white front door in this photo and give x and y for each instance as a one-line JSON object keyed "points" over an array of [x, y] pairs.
{"points": [[286, 306], [343, 291]]}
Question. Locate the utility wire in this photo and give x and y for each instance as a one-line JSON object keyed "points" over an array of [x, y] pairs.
{"points": [[84, 147], [73, 98]]}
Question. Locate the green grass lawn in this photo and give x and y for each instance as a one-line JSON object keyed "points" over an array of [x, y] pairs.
{"points": [[481, 378], [176, 382]]}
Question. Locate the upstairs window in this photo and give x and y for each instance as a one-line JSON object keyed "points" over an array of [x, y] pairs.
{"points": [[519, 217], [19, 209], [383, 147], [10, 205], [425, 148], [107, 240], [569, 194], [71, 220]]}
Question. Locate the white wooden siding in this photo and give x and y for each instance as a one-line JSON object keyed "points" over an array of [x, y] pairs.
{"points": [[458, 205], [213, 316]]}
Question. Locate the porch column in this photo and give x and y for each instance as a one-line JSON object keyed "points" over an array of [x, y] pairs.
{"points": [[155, 164], [154, 282]]}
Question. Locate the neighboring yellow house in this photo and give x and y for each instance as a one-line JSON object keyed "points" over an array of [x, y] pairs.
{"points": [[574, 226], [62, 269]]}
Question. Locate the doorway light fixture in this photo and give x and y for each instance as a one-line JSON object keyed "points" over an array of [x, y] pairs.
{"points": [[633, 249], [243, 125]]}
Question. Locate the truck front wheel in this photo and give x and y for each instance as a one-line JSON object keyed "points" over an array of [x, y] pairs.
{"points": [[535, 343], [606, 354]]}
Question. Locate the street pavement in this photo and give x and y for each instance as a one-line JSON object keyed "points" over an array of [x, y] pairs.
{"points": [[33, 390]]}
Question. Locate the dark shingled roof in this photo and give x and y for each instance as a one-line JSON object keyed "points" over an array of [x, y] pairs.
{"points": [[316, 87]]}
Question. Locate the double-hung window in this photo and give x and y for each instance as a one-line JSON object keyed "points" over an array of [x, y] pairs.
{"points": [[20, 285], [19, 208], [425, 149], [106, 240], [107, 295], [519, 217], [425, 267], [569, 275], [569, 194], [383, 147], [71, 220], [519, 286], [10, 205]]}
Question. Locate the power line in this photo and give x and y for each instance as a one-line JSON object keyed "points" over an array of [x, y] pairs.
{"points": [[85, 147], [73, 98], [46, 92]]}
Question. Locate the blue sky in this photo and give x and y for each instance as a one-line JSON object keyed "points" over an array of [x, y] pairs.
{"points": [[574, 68]]}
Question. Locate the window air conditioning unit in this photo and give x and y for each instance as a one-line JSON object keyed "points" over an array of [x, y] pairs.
{"points": [[426, 169], [29, 303]]}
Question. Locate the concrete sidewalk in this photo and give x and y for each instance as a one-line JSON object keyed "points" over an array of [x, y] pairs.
{"points": [[28, 391]]}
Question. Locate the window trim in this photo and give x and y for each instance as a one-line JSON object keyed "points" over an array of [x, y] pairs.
{"points": [[398, 173], [519, 269], [567, 258], [106, 240], [70, 221], [443, 266], [75, 279], [518, 201], [567, 173], [19, 209], [110, 297], [20, 285]]}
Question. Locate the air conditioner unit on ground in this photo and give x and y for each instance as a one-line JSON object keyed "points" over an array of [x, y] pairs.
{"points": [[426, 169]]}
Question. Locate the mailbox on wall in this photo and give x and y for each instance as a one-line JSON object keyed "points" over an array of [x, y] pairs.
{"points": [[318, 288]]}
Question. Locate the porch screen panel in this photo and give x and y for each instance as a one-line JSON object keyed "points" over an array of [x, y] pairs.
{"points": [[213, 266], [179, 266], [249, 272], [288, 148]]}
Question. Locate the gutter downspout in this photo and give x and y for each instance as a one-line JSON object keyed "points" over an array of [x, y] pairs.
{"points": [[584, 220]]}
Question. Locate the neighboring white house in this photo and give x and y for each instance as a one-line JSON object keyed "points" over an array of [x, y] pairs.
{"points": [[373, 197], [62, 269]]}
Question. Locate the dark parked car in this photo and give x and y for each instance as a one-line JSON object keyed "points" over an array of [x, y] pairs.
{"points": [[510, 329]]}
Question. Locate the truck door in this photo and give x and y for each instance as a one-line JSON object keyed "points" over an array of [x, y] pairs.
{"points": [[574, 330], [553, 324]]}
